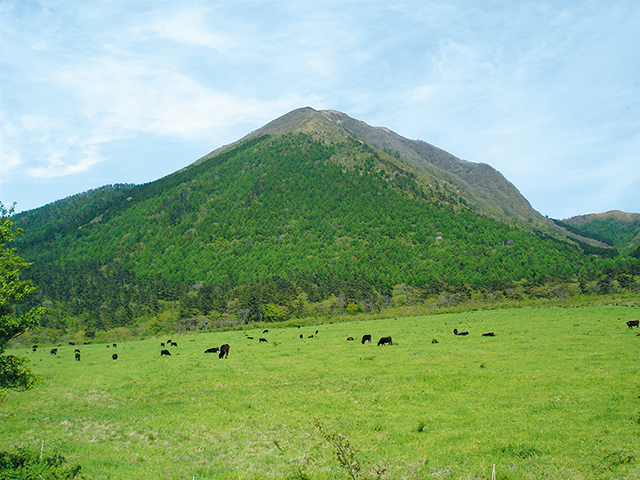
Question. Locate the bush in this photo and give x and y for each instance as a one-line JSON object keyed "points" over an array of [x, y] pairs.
{"points": [[25, 464]]}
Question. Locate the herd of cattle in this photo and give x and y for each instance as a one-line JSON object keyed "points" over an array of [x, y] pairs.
{"points": [[223, 351]]}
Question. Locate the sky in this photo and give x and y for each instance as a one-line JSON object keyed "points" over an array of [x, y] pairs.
{"points": [[101, 92]]}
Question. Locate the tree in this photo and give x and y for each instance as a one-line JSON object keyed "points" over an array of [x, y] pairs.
{"points": [[14, 373]]}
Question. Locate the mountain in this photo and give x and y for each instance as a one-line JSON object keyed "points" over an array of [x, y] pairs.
{"points": [[617, 229], [481, 187], [314, 206]]}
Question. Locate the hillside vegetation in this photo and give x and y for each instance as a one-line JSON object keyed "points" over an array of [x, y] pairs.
{"points": [[617, 229], [300, 223]]}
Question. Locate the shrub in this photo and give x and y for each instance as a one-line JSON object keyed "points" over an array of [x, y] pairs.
{"points": [[25, 464]]}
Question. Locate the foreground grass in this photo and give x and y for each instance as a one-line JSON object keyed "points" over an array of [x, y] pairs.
{"points": [[553, 395]]}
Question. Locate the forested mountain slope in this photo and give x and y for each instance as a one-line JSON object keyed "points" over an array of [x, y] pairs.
{"points": [[312, 207], [480, 186], [617, 229]]}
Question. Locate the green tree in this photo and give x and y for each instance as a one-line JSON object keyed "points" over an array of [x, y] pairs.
{"points": [[14, 373]]}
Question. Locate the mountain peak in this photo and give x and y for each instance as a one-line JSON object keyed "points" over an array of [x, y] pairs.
{"points": [[479, 185], [306, 120], [482, 187]]}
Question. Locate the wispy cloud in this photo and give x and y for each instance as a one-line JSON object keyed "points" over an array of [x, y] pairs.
{"points": [[57, 164], [188, 27], [538, 89]]}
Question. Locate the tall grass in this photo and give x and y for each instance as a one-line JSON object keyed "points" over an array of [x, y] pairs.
{"points": [[553, 395]]}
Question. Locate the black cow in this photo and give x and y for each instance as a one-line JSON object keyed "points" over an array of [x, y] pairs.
{"points": [[174, 344], [77, 350], [115, 344], [224, 351], [366, 338], [385, 340], [310, 336], [165, 352], [265, 331], [114, 356], [212, 350], [350, 338], [249, 338], [489, 334], [301, 335], [456, 332], [78, 356], [54, 351], [262, 340], [35, 347], [316, 332], [162, 344], [633, 323]]}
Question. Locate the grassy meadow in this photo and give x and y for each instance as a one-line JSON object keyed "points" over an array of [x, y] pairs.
{"points": [[554, 395]]}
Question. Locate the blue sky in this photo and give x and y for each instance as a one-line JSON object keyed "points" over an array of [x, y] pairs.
{"points": [[108, 91]]}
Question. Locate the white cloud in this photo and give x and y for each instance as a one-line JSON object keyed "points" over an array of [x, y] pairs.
{"points": [[10, 156], [188, 27], [421, 93], [10, 161], [532, 88], [64, 163], [129, 96]]}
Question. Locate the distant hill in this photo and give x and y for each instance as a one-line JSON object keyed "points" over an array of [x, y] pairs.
{"points": [[313, 206], [617, 229]]}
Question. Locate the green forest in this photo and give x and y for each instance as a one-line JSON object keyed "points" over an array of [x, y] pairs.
{"points": [[284, 227]]}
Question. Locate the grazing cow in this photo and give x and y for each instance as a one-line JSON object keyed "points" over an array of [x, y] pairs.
{"points": [[633, 323], [265, 331], [35, 347], [77, 350], [114, 356], [115, 344], [165, 352], [54, 351], [366, 338], [350, 338], [212, 350], [249, 338], [72, 343], [310, 336], [456, 332], [316, 332], [162, 344], [301, 336], [78, 356], [489, 334], [224, 351], [262, 340], [384, 341], [174, 344]]}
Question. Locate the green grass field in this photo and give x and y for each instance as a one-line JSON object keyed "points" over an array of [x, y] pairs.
{"points": [[554, 395]]}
